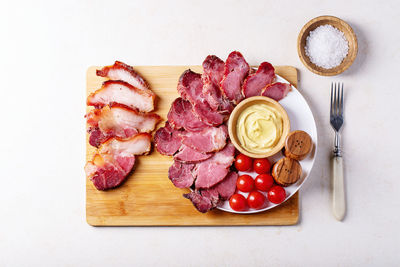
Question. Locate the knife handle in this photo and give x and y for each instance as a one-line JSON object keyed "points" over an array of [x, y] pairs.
{"points": [[338, 200]]}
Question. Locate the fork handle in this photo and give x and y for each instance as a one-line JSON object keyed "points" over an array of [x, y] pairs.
{"points": [[339, 202]]}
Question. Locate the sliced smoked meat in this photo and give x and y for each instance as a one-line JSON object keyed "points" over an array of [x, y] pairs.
{"points": [[276, 91], [214, 169], [236, 70], [189, 155], [226, 188], [255, 83], [207, 115], [201, 203], [208, 140], [167, 140], [181, 175], [182, 116]]}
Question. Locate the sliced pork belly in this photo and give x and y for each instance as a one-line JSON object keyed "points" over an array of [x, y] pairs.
{"points": [[96, 136], [119, 121], [124, 72], [107, 172], [139, 144], [190, 87], [167, 140], [181, 174], [255, 83], [182, 116], [210, 139], [190, 155], [214, 169], [277, 91], [236, 70], [123, 93]]}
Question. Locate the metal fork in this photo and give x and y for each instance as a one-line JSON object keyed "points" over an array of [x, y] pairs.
{"points": [[336, 119]]}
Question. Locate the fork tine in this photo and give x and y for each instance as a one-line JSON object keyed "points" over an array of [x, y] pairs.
{"points": [[335, 101], [341, 102]]}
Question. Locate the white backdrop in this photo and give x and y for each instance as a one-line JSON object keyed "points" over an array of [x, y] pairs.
{"points": [[46, 47]]}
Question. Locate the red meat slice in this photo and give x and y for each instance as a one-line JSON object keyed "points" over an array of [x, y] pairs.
{"points": [[182, 116], [236, 70], [207, 115], [189, 155], [208, 140], [226, 188], [276, 91], [255, 83], [167, 140], [181, 175], [214, 169], [201, 203]]}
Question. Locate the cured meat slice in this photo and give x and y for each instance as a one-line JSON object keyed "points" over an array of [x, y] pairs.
{"points": [[189, 155], [139, 144], [119, 121], [124, 72], [190, 87], [201, 203], [226, 188], [123, 93], [182, 116], [106, 172], [209, 139], [214, 169], [236, 70], [255, 83], [213, 68], [96, 136], [181, 175], [167, 140], [277, 91]]}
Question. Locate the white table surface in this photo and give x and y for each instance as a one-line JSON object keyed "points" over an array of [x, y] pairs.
{"points": [[45, 49]]}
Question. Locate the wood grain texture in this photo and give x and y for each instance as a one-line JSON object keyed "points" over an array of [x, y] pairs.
{"points": [[337, 23], [148, 198]]}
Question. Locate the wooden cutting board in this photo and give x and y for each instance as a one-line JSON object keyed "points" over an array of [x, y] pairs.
{"points": [[148, 198]]}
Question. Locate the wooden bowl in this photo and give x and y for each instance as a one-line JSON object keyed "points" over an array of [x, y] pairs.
{"points": [[247, 103], [340, 25]]}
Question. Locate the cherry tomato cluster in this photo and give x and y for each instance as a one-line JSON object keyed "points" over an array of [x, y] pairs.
{"points": [[263, 182]]}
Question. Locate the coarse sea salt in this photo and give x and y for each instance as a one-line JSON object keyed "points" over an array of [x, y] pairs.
{"points": [[326, 46]]}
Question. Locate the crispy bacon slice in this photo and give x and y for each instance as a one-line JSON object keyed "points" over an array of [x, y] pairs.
{"points": [[236, 70], [123, 93], [124, 72], [277, 90], [118, 121], [254, 83]]}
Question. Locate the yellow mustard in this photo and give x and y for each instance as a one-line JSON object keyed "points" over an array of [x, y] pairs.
{"points": [[259, 128]]}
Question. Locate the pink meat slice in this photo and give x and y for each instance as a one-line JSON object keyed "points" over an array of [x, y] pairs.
{"points": [[208, 140], [236, 70], [255, 83], [189, 155], [190, 87], [200, 202], [182, 116], [214, 169], [96, 136], [276, 91], [226, 188], [181, 175], [167, 140]]}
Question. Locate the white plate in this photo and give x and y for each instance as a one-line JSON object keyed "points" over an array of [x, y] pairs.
{"points": [[301, 118]]}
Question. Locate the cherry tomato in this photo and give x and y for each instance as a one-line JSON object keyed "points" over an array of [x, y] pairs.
{"points": [[245, 183], [243, 163], [256, 200], [261, 166], [277, 194], [264, 182], [237, 202]]}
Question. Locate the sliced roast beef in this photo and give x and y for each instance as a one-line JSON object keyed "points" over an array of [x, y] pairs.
{"points": [[255, 83], [207, 115], [276, 91], [182, 116], [214, 169], [236, 70], [167, 140], [208, 140], [226, 188], [181, 175], [190, 155], [201, 203]]}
